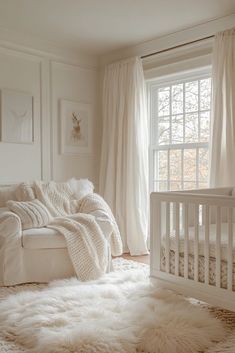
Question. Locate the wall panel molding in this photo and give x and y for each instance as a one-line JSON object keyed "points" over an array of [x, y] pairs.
{"points": [[79, 80], [46, 48]]}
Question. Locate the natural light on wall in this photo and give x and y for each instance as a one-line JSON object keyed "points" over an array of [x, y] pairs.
{"points": [[180, 128]]}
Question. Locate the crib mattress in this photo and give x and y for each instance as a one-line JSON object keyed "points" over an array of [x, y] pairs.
{"points": [[201, 268], [212, 241]]}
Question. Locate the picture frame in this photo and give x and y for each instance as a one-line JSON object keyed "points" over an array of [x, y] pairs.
{"points": [[76, 129], [17, 120]]}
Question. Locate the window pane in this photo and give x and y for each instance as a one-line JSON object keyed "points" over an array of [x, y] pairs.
{"points": [[177, 99], [162, 165], [164, 101], [189, 185], [191, 127], [175, 185], [204, 126], [202, 185], [205, 94], [180, 130], [190, 165], [203, 165], [175, 165], [177, 129], [162, 185], [163, 131], [191, 96]]}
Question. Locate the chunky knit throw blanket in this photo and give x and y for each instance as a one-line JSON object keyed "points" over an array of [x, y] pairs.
{"points": [[57, 197], [86, 243], [88, 226], [95, 204]]}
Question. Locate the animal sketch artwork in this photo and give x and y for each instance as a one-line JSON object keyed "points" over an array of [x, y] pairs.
{"points": [[75, 125], [76, 132], [21, 125], [19, 116], [16, 117]]}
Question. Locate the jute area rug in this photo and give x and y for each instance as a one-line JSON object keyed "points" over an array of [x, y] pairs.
{"points": [[16, 338]]}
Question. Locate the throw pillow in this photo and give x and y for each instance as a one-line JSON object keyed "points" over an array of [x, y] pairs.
{"points": [[24, 192], [33, 214]]}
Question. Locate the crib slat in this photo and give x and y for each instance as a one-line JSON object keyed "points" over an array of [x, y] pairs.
{"points": [[167, 248], [207, 230], [218, 245], [196, 240], [185, 210], [230, 250], [177, 232], [158, 226]]}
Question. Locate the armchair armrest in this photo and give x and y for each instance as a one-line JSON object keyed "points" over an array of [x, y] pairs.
{"points": [[11, 251], [10, 228]]}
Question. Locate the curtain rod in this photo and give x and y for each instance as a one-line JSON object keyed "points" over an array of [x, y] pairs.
{"points": [[175, 47]]}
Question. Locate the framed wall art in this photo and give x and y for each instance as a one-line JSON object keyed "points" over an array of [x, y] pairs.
{"points": [[16, 117], [75, 127]]}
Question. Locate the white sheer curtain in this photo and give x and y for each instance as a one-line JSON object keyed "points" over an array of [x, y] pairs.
{"points": [[222, 154], [124, 157]]}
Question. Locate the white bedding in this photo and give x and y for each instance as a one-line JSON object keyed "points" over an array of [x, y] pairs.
{"points": [[212, 241], [201, 269]]}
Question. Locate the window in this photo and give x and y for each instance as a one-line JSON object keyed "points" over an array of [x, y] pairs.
{"points": [[180, 127]]}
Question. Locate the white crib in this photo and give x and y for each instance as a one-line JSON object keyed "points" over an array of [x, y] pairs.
{"points": [[193, 244]]}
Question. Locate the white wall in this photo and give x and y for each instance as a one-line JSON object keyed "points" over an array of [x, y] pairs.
{"points": [[51, 73], [76, 84], [49, 77], [21, 72]]}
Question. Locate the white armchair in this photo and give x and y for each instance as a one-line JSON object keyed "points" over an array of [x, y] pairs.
{"points": [[32, 255]]}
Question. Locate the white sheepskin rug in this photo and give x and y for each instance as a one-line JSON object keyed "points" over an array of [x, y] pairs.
{"points": [[120, 313]]}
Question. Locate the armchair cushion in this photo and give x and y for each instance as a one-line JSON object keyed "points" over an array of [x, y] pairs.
{"points": [[47, 238], [43, 238], [33, 214]]}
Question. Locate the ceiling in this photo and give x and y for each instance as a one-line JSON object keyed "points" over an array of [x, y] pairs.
{"points": [[100, 26]]}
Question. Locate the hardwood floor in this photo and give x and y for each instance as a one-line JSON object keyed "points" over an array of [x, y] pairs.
{"points": [[143, 258]]}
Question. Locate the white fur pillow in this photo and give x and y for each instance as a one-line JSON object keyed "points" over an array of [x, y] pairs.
{"points": [[80, 187], [33, 214]]}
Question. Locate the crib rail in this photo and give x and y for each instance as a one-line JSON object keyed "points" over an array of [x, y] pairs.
{"points": [[181, 226]]}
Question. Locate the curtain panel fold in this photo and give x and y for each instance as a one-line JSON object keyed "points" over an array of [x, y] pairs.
{"points": [[124, 156], [222, 144]]}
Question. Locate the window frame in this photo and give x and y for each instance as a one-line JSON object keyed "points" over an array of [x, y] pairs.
{"points": [[152, 86]]}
